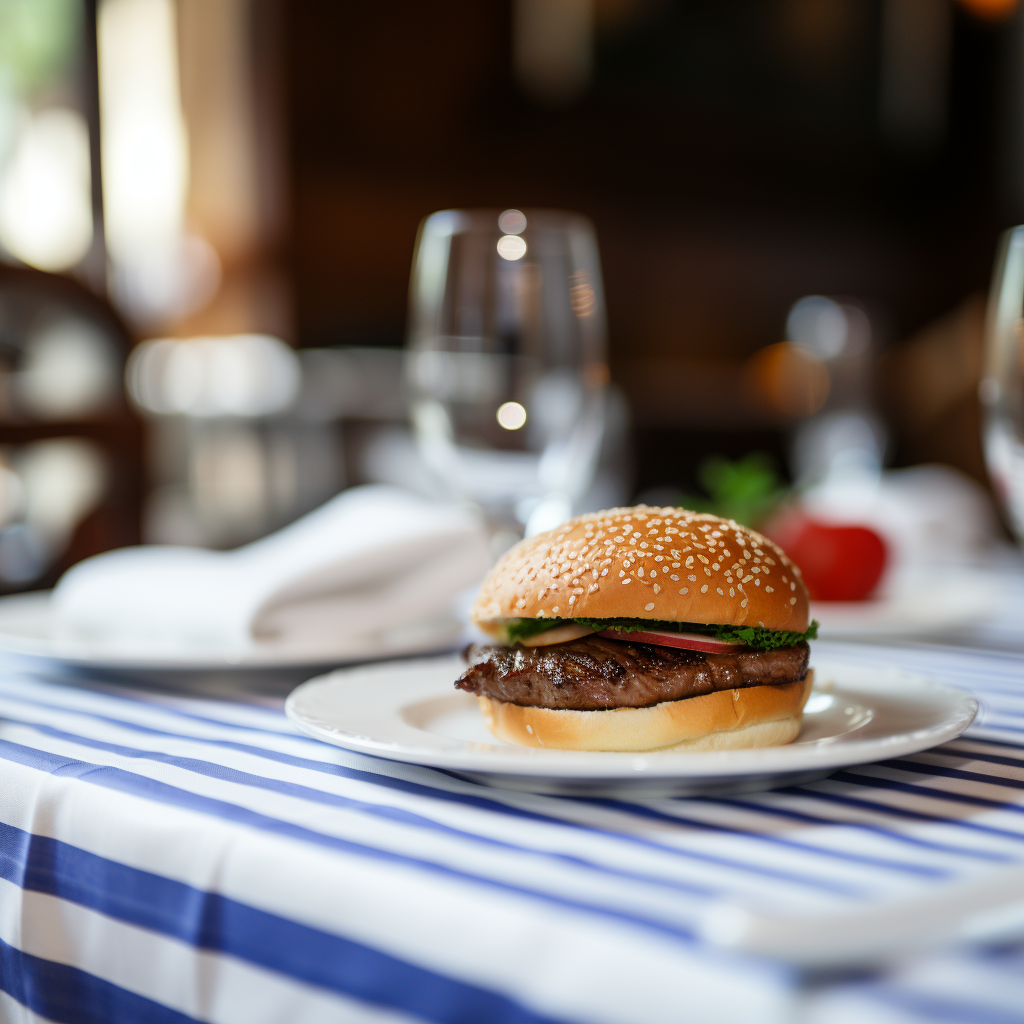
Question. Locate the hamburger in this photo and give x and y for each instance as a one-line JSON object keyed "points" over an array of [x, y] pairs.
{"points": [[640, 629]]}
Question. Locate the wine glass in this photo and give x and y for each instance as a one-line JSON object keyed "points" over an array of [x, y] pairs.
{"points": [[506, 364], [1002, 385]]}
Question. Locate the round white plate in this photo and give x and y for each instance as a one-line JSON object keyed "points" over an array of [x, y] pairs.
{"points": [[920, 605], [409, 711], [25, 629]]}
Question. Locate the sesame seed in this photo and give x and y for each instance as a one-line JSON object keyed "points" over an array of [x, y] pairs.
{"points": [[732, 591], [649, 606], [674, 577], [792, 600], [719, 589], [640, 571], [684, 590], [625, 581], [704, 589], [792, 586], [657, 589], [622, 573], [692, 579], [769, 590], [707, 572]]}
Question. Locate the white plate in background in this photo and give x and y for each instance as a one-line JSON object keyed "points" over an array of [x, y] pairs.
{"points": [[925, 604], [409, 711]]}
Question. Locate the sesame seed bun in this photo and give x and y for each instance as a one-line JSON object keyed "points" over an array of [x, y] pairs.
{"points": [[666, 564], [754, 716]]}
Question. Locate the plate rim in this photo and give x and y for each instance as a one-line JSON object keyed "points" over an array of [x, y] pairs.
{"points": [[594, 765]]}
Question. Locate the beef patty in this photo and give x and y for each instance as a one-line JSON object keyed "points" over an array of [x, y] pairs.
{"points": [[596, 673]]}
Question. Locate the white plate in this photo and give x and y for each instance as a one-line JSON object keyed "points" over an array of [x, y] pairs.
{"points": [[409, 711], [25, 629], [925, 604]]}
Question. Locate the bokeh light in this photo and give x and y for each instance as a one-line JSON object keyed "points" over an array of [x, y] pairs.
{"points": [[45, 198], [788, 380], [512, 222], [245, 375], [511, 247], [511, 415]]}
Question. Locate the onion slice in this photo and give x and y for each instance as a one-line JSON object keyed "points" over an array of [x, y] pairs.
{"points": [[689, 641], [557, 635]]}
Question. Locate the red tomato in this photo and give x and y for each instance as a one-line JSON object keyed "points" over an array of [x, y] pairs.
{"points": [[839, 563], [691, 641]]}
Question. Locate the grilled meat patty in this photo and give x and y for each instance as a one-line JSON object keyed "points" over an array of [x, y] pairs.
{"points": [[595, 673]]}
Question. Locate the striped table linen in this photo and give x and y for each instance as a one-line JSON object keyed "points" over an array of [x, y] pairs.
{"points": [[168, 859]]}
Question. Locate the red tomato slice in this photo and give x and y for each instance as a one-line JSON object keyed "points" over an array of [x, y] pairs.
{"points": [[691, 641]]}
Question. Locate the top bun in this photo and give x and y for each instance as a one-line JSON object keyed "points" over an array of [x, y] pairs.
{"points": [[668, 564]]}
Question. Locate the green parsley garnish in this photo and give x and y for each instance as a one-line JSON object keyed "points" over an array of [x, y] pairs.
{"points": [[753, 636]]}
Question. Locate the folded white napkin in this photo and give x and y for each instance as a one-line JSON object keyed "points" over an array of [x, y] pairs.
{"points": [[369, 571]]}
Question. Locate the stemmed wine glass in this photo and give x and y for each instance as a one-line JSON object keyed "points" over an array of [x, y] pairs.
{"points": [[1002, 384], [506, 365]]}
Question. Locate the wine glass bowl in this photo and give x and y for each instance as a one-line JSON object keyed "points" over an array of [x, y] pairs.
{"points": [[506, 360], [1002, 385]]}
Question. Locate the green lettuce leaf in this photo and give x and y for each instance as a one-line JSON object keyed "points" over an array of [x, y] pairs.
{"points": [[753, 636], [523, 629]]}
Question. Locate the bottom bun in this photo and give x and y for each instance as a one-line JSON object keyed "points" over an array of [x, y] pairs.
{"points": [[753, 716]]}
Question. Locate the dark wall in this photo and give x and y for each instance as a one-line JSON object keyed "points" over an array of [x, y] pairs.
{"points": [[732, 156]]}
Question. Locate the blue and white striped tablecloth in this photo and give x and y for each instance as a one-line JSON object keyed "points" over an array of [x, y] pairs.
{"points": [[170, 859]]}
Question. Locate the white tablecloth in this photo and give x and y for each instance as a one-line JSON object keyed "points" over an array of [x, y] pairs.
{"points": [[167, 858]]}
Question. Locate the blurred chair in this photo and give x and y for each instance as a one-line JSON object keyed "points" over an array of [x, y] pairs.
{"points": [[70, 448]]}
